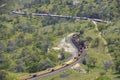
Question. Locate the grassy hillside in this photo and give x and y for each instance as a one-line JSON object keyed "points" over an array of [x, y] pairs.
{"points": [[26, 41]]}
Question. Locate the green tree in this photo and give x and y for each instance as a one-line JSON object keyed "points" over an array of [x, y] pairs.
{"points": [[5, 6], [3, 75], [90, 62], [107, 65], [95, 43], [117, 65], [103, 78], [4, 61]]}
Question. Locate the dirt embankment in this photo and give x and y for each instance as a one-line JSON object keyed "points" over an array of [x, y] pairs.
{"points": [[67, 45]]}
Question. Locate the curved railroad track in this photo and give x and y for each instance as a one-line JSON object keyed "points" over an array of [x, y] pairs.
{"points": [[78, 44], [81, 54]]}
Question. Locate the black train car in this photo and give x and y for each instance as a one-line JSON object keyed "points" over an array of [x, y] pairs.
{"points": [[79, 44]]}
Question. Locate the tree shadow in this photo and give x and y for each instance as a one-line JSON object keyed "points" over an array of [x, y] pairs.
{"points": [[117, 73], [117, 76], [64, 75]]}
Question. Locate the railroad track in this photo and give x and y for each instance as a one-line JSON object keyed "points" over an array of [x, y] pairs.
{"points": [[59, 70], [58, 16], [79, 45], [81, 54]]}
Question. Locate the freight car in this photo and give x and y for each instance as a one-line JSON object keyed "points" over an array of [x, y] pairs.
{"points": [[79, 45]]}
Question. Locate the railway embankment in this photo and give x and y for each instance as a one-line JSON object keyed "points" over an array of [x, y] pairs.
{"points": [[69, 47]]}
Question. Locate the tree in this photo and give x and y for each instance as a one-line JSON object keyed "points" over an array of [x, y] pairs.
{"points": [[107, 65], [117, 64], [45, 46], [103, 78], [3, 74], [89, 39], [90, 62], [11, 46], [20, 68], [91, 26], [5, 6], [33, 67], [4, 61], [81, 32], [61, 54], [95, 43], [45, 64], [2, 47]]}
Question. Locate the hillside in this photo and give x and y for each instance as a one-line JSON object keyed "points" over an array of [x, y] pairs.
{"points": [[26, 41]]}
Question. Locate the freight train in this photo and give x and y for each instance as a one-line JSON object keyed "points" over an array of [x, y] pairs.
{"points": [[58, 16], [79, 45]]}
